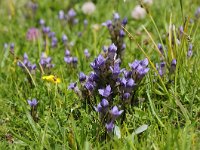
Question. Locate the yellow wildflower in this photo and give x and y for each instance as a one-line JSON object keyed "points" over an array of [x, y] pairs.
{"points": [[52, 78]]}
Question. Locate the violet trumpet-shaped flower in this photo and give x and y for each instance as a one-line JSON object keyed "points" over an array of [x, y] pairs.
{"points": [[115, 112], [105, 92], [110, 126], [33, 102]]}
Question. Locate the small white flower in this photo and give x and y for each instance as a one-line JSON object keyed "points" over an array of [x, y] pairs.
{"points": [[138, 13], [88, 8], [148, 2]]}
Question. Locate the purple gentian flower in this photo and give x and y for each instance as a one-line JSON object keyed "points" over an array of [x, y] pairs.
{"points": [[115, 112], [110, 126], [92, 77], [115, 70], [72, 86], [71, 13], [134, 65], [121, 33], [82, 77], [104, 102], [173, 66], [105, 92], [116, 16], [61, 15], [41, 22], [197, 13], [126, 96], [46, 30], [33, 102], [67, 53], [123, 46], [160, 47], [112, 49], [90, 85], [124, 21], [130, 82], [189, 53], [64, 38], [54, 42], [86, 53], [68, 59]]}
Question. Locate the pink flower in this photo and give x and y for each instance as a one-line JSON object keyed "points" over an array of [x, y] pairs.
{"points": [[32, 34]]}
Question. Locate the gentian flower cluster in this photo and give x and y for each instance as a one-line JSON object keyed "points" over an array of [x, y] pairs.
{"points": [[69, 59], [26, 63], [112, 85], [117, 33]]}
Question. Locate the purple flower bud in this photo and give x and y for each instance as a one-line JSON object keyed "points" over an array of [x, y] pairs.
{"points": [[105, 92], [75, 60], [160, 47], [123, 46], [64, 38], [25, 56], [124, 21], [110, 126], [104, 48], [126, 96], [86, 53], [127, 74], [46, 30], [99, 62], [181, 30], [61, 15], [189, 53], [72, 86], [51, 34], [68, 60], [54, 42], [173, 66], [85, 22], [33, 102], [144, 62], [41, 22], [116, 16], [134, 65], [108, 23], [121, 33], [92, 77], [123, 82], [112, 49], [99, 108], [89, 85], [115, 70], [67, 53], [197, 13], [12, 46], [130, 82], [104, 103], [71, 13], [82, 77]]}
